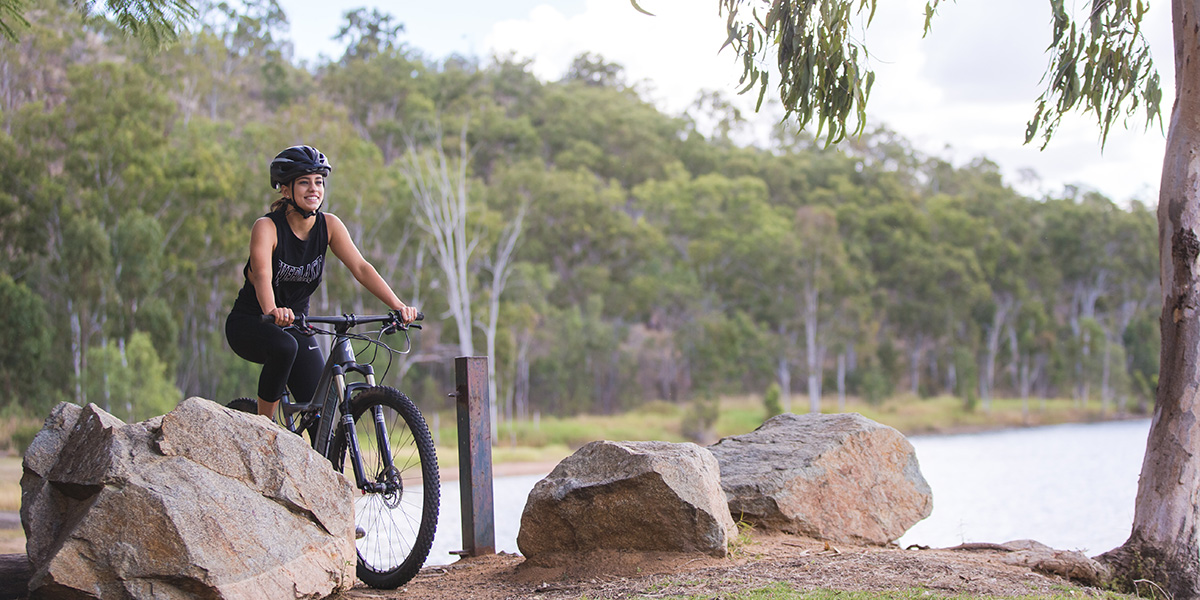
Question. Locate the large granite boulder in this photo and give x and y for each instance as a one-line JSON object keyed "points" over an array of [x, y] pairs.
{"points": [[203, 502], [836, 477], [628, 496]]}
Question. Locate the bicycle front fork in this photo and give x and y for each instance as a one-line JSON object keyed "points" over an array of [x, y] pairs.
{"points": [[386, 480]]}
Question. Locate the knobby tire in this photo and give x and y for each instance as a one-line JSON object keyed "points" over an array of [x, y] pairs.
{"points": [[246, 405], [250, 405], [399, 527]]}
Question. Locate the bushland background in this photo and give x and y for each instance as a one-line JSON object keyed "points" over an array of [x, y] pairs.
{"points": [[632, 274]]}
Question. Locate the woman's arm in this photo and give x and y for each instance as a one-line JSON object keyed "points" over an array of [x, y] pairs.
{"points": [[262, 247], [343, 247]]}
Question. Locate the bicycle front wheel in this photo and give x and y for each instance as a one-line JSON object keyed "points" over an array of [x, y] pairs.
{"points": [[398, 509]]}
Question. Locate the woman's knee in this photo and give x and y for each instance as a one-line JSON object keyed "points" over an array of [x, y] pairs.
{"points": [[284, 348]]}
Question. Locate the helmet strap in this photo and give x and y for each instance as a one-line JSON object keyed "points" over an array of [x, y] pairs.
{"points": [[291, 200]]}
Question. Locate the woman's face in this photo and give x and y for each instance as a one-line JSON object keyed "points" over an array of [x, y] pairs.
{"points": [[307, 191]]}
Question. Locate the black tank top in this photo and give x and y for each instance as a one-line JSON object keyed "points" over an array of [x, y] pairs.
{"points": [[296, 267]]}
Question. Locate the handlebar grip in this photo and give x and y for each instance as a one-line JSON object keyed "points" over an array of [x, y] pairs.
{"points": [[299, 320]]}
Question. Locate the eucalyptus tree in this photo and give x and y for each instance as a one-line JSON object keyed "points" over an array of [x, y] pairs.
{"points": [[1080, 232], [605, 127], [234, 64], [25, 356], [924, 279], [217, 186], [505, 223], [826, 275], [1006, 243], [88, 172], [1134, 291], [467, 235], [524, 315], [744, 256], [33, 67], [999, 228], [154, 22], [1100, 64], [380, 80]]}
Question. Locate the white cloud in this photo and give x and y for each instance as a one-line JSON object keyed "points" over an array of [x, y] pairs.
{"points": [[971, 84], [673, 54]]}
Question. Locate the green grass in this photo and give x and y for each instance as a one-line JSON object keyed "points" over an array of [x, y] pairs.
{"points": [[10, 483], [947, 414], [550, 438]]}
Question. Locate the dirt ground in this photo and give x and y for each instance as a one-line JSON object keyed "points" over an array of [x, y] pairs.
{"points": [[763, 561]]}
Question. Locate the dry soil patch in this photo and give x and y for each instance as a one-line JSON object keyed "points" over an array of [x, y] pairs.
{"points": [[765, 560]]}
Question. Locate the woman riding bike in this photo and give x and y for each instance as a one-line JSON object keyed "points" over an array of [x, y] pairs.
{"points": [[287, 258]]}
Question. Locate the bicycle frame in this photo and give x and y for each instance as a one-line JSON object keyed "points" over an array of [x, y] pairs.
{"points": [[335, 392], [392, 544]]}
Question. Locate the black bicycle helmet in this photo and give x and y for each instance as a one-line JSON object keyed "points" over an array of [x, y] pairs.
{"points": [[297, 161]]}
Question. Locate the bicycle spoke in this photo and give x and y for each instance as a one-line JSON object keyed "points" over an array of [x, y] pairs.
{"points": [[399, 511]]}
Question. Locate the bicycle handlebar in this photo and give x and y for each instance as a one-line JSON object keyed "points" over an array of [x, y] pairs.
{"points": [[349, 320]]}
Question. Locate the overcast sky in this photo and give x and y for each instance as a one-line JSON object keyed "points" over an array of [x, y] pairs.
{"points": [[966, 90]]}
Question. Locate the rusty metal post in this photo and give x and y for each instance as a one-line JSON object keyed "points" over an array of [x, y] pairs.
{"points": [[475, 456]]}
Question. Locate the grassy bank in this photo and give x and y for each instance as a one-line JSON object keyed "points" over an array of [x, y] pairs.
{"points": [[549, 439]]}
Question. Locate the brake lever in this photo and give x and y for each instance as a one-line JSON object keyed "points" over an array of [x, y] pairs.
{"points": [[303, 328], [395, 326]]}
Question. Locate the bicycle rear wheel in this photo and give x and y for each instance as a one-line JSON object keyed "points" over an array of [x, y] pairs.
{"points": [[292, 423], [399, 521], [246, 405]]}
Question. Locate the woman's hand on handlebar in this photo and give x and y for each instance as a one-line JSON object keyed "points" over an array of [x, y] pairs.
{"points": [[283, 316], [405, 314]]}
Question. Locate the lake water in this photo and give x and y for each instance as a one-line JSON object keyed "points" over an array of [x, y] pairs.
{"points": [[1071, 487]]}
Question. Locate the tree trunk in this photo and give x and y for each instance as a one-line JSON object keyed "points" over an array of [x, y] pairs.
{"points": [[1163, 545], [440, 186], [521, 374], [77, 351], [783, 372], [1106, 393], [812, 299], [914, 364], [841, 381], [1004, 305]]}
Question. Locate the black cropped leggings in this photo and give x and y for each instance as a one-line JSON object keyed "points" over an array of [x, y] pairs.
{"points": [[287, 357]]}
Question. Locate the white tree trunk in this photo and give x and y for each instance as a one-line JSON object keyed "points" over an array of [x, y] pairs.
{"points": [[501, 268], [521, 375], [441, 187], [914, 363], [812, 297], [1165, 542], [783, 372], [841, 381], [1005, 305], [77, 359]]}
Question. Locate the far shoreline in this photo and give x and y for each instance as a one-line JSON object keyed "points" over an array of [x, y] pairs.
{"points": [[519, 468]]}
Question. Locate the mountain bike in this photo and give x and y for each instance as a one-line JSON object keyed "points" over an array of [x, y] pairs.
{"points": [[379, 435]]}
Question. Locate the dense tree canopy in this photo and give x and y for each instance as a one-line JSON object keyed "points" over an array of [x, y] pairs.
{"points": [[656, 260]]}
